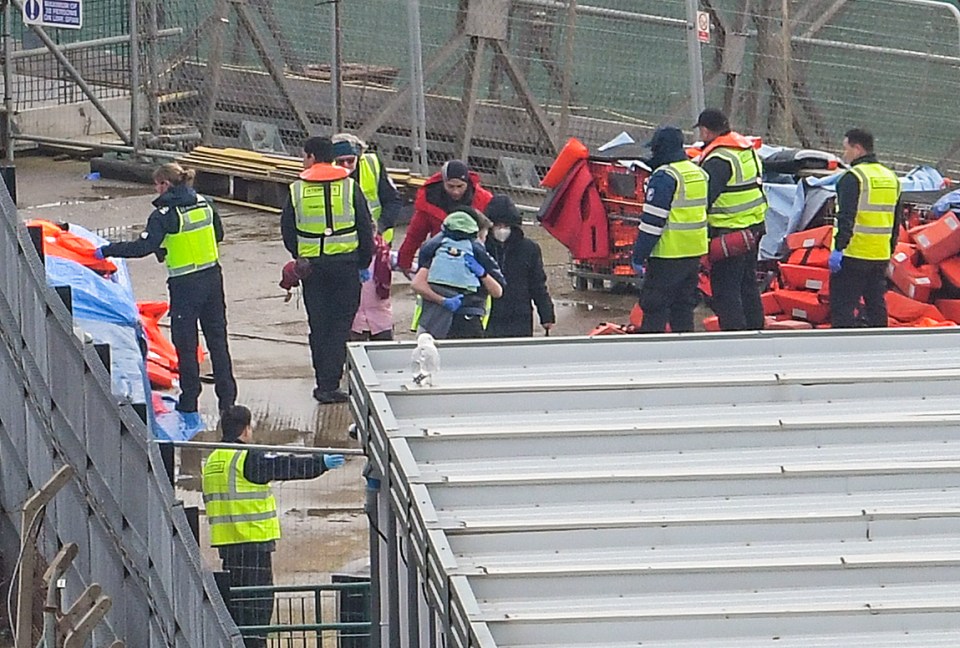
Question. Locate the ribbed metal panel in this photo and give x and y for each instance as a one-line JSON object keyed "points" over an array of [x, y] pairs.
{"points": [[796, 489]]}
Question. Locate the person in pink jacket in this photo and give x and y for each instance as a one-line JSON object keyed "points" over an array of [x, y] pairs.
{"points": [[374, 318]]}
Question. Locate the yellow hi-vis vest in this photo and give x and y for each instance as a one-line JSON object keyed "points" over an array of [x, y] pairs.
{"points": [[326, 222], [238, 510], [369, 166], [194, 246], [873, 224], [742, 203], [685, 232]]}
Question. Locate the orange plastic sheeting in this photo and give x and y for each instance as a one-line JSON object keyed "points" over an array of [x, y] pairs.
{"points": [[818, 257], [770, 304], [950, 270], [903, 309], [915, 282], [63, 244], [950, 308], [608, 328], [772, 324], [571, 153], [939, 240], [712, 324], [803, 305], [802, 277], [818, 237]]}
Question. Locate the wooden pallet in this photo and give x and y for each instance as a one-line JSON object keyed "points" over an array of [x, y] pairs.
{"points": [[260, 180]]}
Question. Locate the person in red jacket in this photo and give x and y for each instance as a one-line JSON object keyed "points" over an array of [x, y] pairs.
{"points": [[450, 190]]}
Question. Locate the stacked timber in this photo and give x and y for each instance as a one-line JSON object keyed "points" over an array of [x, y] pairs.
{"points": [[259, 180]]}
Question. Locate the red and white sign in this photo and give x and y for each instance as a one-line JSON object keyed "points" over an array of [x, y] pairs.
{"points": [[703, 26]]}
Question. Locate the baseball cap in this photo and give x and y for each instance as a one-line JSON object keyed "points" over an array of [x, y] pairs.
{"points": [[713, 119]]}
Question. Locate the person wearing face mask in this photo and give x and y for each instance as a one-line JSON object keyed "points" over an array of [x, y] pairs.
{"points": [[452, 189], [521, 263]]}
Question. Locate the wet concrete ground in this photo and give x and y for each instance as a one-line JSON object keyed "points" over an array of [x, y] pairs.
{"points": [[323, 523]]}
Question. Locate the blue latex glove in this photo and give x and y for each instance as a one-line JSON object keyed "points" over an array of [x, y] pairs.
{"points": [[475, 266], [98, 253], [333, 461], [453, 304], [639, 270], [836, 261], [365, 275]]}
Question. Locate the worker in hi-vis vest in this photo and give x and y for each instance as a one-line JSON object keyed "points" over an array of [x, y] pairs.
{"points": [[865, 234], [736, 209], [184, 231], [672, 237], [326, 222], [242, 513], [368, 169]]}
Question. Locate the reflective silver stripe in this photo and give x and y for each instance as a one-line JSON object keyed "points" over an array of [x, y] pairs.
{"points": [[187, 225], [674, 225], [756, 202], [867, 229], [660, 212], [746, 186], [647, 228], [245, 517], [680, 199], [864, 203], [235, 497], [735, 164], [190, 268]]}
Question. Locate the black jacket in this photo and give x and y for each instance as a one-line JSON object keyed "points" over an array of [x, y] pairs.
{"points": [[521, 263], [360, 258], [164, 220], [848, 197]]}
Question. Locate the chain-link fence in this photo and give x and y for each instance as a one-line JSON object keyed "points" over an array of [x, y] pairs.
{"points": [[512, 78]]}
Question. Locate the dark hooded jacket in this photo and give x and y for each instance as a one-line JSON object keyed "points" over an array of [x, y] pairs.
{"points": [[521, 263]]}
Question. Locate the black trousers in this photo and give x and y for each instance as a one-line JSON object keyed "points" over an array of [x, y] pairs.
{"points": [[248, 567], [194, 298], [382, 336], [669, 294], [331, 296], [736, 295], [466, 327], [859, 278]]}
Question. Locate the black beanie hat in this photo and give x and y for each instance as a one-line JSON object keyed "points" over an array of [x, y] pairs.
{"points": [[455, 170], [502, 210]]}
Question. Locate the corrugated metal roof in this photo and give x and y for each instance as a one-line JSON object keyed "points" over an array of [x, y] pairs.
{"points": [[708, 490]]}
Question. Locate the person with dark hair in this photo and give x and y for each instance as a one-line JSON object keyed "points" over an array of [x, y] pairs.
{"points": [[451, 189], [326, 221], [736, 209], [521, 263], [184, 231], [673, 235], [242, 512], [865, 234]]}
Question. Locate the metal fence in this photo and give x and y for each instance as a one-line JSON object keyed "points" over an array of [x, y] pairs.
{"points": [[322, 549], [56, 409], [426, 80]]}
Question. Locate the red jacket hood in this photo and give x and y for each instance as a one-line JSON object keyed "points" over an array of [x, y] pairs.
{"points": [[481, 197]]}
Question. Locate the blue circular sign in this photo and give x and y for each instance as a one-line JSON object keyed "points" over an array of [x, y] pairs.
{"points": [[31, 8]]}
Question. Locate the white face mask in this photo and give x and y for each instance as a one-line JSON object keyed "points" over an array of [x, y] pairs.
{"points": [[501, 233]]}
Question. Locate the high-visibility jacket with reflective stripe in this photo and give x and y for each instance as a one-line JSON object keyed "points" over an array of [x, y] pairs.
{"points": [[685, 232], [238, 510], [194, 246], [369, 165], [876, 208], [741, 204], [325, 218]]}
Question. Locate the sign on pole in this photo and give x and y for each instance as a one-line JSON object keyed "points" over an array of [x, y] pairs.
{"points": [[703, 26], [66, 14]]}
